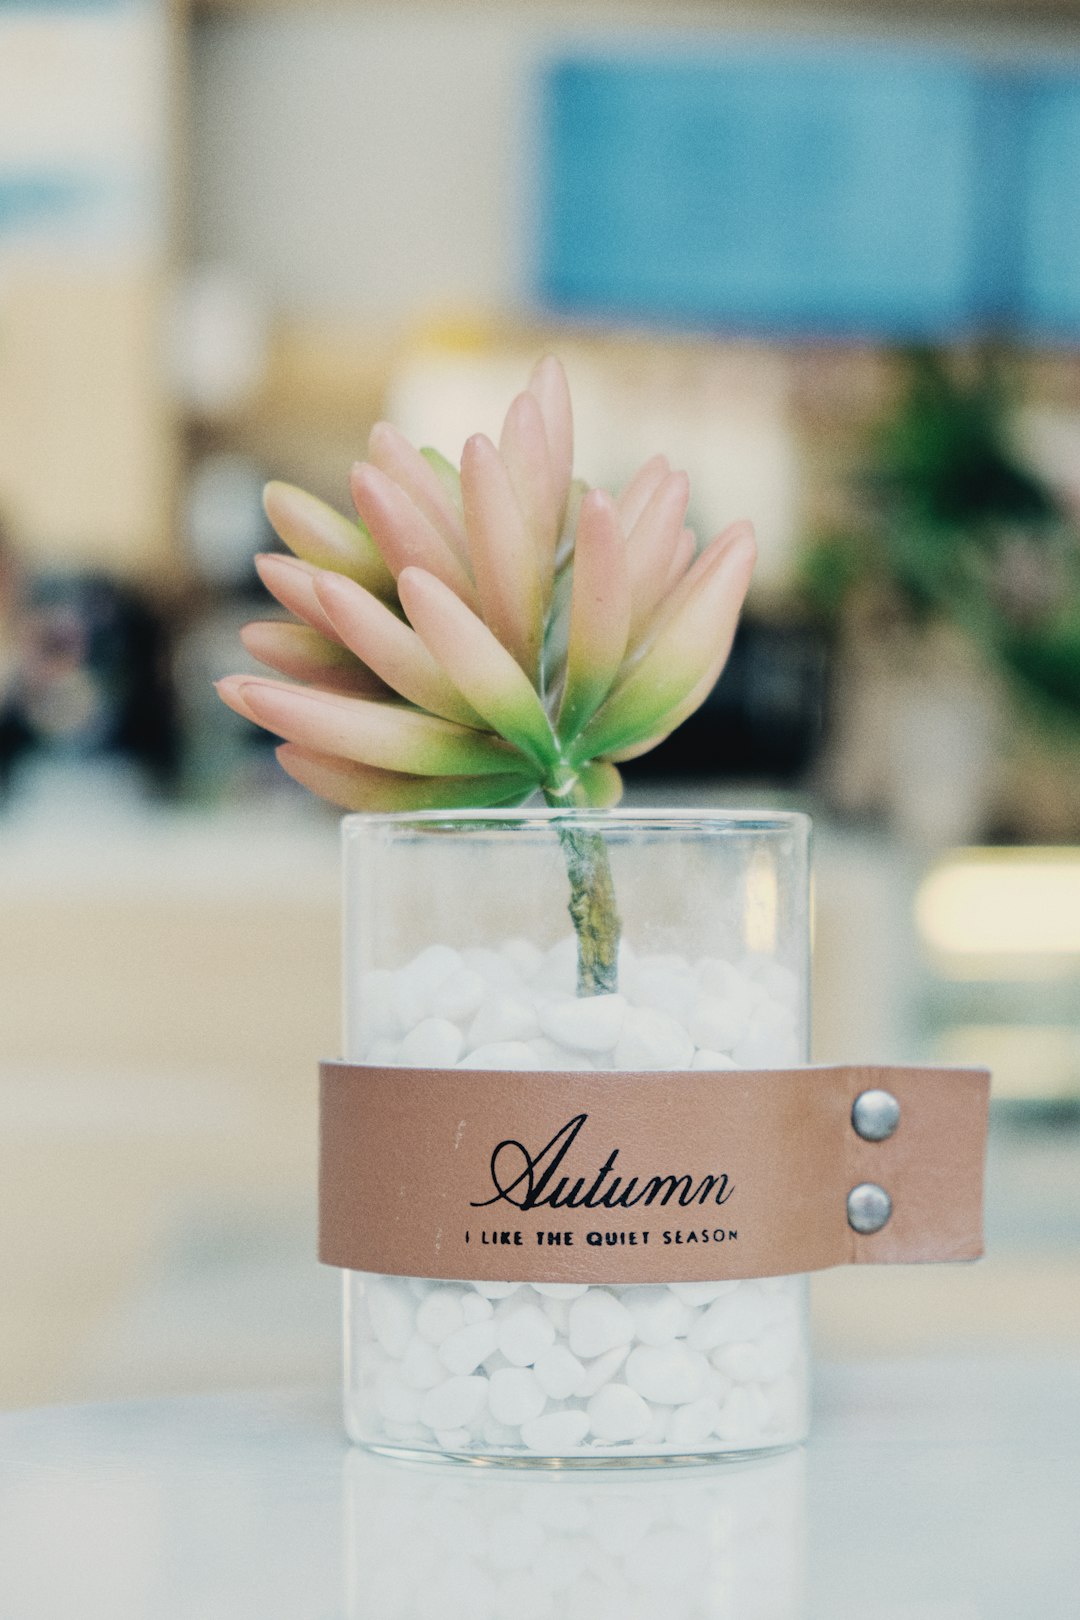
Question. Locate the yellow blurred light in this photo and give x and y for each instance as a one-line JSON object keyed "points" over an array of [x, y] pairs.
{"points": [[1003, 903]]}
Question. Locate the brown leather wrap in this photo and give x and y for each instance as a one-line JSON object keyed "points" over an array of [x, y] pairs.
{"points": [[408, 1184]]}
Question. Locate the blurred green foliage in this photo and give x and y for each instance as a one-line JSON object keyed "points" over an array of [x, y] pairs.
{"points": [[954, 525]]}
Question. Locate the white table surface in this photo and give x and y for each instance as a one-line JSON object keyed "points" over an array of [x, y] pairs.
{"points": [[944, 1490]]}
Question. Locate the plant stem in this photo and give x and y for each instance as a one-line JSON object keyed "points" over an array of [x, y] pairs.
{"points": [[593, 907]]}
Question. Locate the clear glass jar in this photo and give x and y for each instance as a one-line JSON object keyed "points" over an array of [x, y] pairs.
{"points": [[459, 950]]}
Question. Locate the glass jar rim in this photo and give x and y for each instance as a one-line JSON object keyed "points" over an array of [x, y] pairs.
{"points": [[680, 819]]}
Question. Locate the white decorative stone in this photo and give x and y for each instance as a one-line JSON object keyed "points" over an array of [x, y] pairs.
{"points": [[652, 1040], [420, 1365], [495, 1290], [671, 1374], [458, 996], [475, 1308], [555, 1433], [702, 1293], [453, 1439], [559, 1372], [726, 1320], [392, 1312], [497, 972], [659, 1315], [396, 1401], [515, 1396], [585, 1023], [441, 1314], [504, 1017], [552, 1056], [704, 1058], [524, 957], [740, 1361], [524, 1333], [462, 1352], [603, 1369], [737, 1420], [502, 1055], [718, 1022], [384, 1054], [618, 1413], [692, 1424], [599, 1322], [454, 1404], [560, 1290], [434, 1043]]}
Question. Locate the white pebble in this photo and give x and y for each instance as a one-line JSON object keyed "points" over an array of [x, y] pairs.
{"points": [[462, 1352], [440, 1314], [740, 1316], [552, 1056], [475, 1308], [652, 1040], [458, 996], [669, 987], [557, 973], [493, 967], [396, 1401], [524, 1333], [493, 1290], [515, 1396], [502, 1055], [671, 1374], [603, 1369], [453, 1439], [659, 1315], [692, 1424], [561, 1290], [498, 1434], [504, 1018], [524, 957], [586, 1023], [555, 1433], [599, 1322], [776, 1350], [618, 1413], [559, 1372], [383, 1054], [557, 1312], [656, 1433], [376, 1002], [455, 1404], [391, 1312], [435, 1043], [705, 1058], [420, 1365], [737, 1420], [741, 1360], [702, 1293], [718, 1022]]}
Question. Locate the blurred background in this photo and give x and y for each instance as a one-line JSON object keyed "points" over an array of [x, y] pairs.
{"points": [[829, 261]]}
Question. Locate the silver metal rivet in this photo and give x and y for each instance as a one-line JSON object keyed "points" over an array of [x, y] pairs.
{"points": [[875, 1115], [868, 1207]]}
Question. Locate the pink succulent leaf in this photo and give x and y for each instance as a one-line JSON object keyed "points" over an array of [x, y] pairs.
{"points": [[402, 533], [292, 583], [599, 612], [557, 633], [392, 453], [524, 449], [393, 650], [479, 665], [504, 559], [305, 655], [699, 571], [692, 641], [651, 545], [447, 474], [317, 534], [638, 492], [549, 387], [564, 551], [394, 738], [362, 787]]}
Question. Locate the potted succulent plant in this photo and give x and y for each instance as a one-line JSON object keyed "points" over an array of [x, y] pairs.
{"points": [[477, 642]]}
